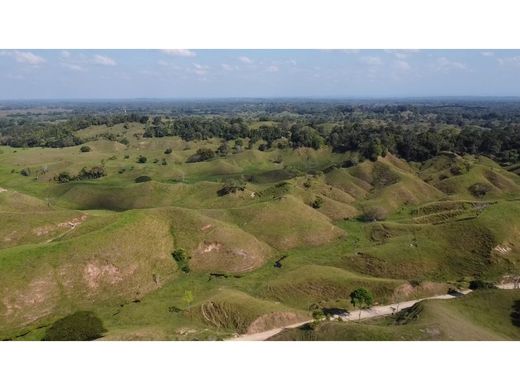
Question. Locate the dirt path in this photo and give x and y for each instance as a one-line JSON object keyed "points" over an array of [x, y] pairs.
{"points": [[376, 311]]}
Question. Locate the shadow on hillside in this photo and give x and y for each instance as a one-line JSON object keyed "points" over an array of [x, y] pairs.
{"points": [[515, 314], [79, 326], [331, 311]]}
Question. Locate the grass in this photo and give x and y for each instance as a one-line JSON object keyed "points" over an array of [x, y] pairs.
{"points": [[117, 262]]}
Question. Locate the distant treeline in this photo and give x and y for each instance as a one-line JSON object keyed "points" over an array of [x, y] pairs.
{"points": [[415, 132], [28, 131]]}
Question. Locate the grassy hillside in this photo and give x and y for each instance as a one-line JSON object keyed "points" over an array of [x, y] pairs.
{"points": [[301, 230], [484, 315]]}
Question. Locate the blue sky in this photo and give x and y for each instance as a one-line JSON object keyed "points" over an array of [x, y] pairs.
{"points": [[54, 74]]}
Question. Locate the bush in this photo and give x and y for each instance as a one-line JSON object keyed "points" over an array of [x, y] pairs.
{"points": [[85, 149], [142, 179], [317, 203], [318, 314], [480, 285], [350, 162], [168, 151], [181, 258], [373, 214], [63, 177], [25, 172], [80, 326], [479, 190], [142, 159], [202, 154], [232, 187], [92, 173], [85, 174]]}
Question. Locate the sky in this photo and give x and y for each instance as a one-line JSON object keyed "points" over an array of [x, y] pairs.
{"points": [[182, 73]]}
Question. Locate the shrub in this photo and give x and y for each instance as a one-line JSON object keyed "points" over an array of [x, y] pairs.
{"points": [[80, 326], [168, 151], [85, 174], [317, 203], [372, 214], [85, 149], [232, 187], [141, 159], [202, 154], [92, 173], [479, 190], [142, 179], [25, 172], [263, 147], [480, 285], [318, 314], [223, 149], [350, 162], [181, 258], [63, 177]]}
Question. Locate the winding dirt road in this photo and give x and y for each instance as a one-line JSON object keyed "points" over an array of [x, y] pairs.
{"points": [[373, 312]]}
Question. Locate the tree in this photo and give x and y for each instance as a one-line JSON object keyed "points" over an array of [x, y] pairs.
{"points": [[85, 149], [63, 177], [201, 154], [317, 203], [232, 186], [361, 299], [141, 159]]}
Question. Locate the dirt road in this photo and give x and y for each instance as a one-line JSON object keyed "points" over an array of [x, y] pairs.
{"points": [[373, 312]]}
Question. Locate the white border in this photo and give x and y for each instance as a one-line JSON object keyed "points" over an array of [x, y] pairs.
{"points": [[254, 365], [199, 24]]}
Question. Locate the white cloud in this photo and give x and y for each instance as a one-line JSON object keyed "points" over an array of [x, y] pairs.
{"points": [[180, 52], [75, 67], [229, 67], [25, 57], [272, 68], [65, 54], [103, 60], [372, 61], [245, 60], [402, 65], [200, 70], [509, 61], [444, 64], [402, 53], [487, 53]]}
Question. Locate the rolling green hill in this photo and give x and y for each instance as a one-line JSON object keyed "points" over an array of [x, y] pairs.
{"points": [[300, 231]]}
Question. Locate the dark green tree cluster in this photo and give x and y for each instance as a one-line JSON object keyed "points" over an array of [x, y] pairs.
{"points": [[95, 172]]}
